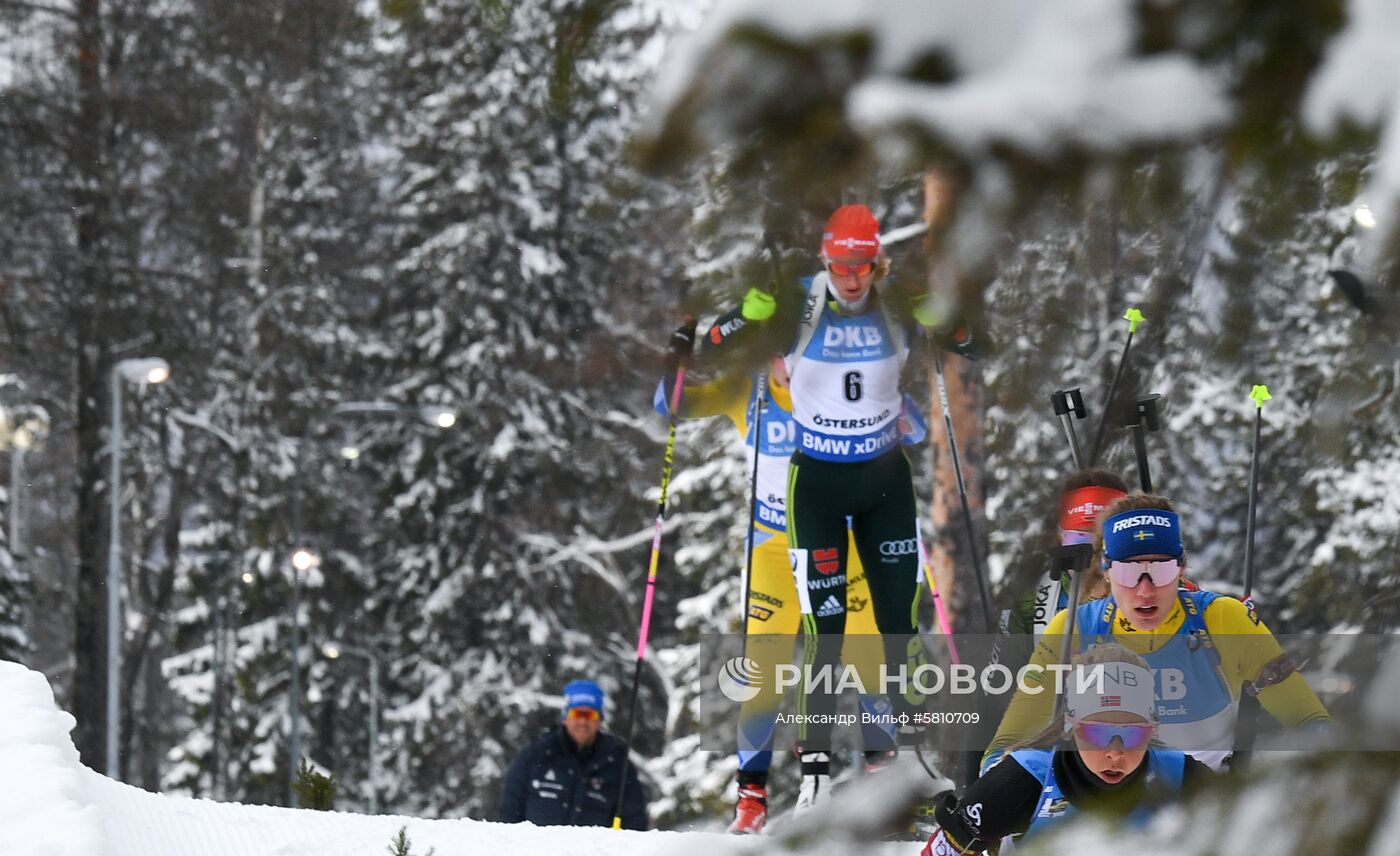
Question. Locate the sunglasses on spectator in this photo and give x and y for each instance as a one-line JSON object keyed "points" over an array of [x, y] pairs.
{"points": [[845, 269], [587, 713], [1101, 734], [1162, 572]]}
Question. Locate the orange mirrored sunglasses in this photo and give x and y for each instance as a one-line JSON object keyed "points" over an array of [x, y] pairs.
{"points": [[587, 713], [844, 269]]}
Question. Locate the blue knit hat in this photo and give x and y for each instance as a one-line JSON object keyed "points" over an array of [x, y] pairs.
{"points": [[583, 693]]}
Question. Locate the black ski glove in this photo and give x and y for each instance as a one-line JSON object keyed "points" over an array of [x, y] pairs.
{"points": [[959, 339], [683, 339], [681, 345]]}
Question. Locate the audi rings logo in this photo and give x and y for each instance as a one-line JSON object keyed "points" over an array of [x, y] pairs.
{"points": [[907, 547], [740, 679]]}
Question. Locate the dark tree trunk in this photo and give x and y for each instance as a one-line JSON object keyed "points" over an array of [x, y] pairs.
{"points": [[952, 550], [90, 653]]}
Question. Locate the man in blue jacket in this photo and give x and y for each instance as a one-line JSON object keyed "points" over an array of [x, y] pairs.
{"points": [[568, 776]]}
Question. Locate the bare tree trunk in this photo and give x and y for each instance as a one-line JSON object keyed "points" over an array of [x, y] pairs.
{"points": [[952, 556], [90, 609], [952, 551]]}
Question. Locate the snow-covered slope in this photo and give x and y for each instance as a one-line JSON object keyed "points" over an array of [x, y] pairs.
{"points": [[50, 805]]}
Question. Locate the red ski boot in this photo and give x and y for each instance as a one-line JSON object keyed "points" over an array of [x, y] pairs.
{"points": [[752, 810]]}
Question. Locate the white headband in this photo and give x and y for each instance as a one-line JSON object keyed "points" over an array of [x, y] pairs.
{"points": [[1104, 687]]}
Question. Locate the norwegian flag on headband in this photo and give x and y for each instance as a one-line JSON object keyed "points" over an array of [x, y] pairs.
{"points": [[1110, 701], [851, 233]]}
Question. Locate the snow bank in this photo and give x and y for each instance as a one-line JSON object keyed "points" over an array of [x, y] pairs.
{"points": [[50, 805], [45, 809], [146, 824]]}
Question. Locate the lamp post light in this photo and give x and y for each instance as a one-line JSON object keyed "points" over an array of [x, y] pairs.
{"points": [[333, 651], [144, 370], [30, 431]]}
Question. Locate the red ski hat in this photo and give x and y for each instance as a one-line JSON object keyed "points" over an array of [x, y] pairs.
{"points": [[851, 233], [1079, 508]]}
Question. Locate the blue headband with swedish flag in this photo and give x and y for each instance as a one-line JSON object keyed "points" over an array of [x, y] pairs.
{"points": [[1141, 532]]}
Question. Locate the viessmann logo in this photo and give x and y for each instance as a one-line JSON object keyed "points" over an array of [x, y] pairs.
{"points": [[1085, 509], [740, 679]]}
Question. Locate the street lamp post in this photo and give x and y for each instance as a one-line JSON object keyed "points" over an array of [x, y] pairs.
{"points": [[333, 650], [304, 559], [148, 370]]}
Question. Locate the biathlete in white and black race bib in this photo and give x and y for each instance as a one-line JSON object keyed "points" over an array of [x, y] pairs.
{"points": [[842, 342]]}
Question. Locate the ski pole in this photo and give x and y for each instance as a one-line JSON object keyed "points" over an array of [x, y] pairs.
{"points": [[652, 565], [1260, 394], [759, 406], [1069, 402], [1070, 559], [1134, 319], [1142, 420], [982, 592], [944, 624], [1248, 717]]}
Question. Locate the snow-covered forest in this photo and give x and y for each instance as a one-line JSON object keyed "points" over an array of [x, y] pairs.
{"points": [[333, 219]]}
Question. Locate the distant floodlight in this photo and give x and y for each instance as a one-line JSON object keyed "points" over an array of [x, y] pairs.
{"points": [[248, 578], [304, 560], [1364, 217], [144, 370], [30, 432], [350, 452], [331, 650], [442, 417]]}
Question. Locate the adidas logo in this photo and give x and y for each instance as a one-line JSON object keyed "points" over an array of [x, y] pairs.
{"points": [[831, 606]]}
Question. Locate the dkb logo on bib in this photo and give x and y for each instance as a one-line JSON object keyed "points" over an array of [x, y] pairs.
{"points": [[852, 337]]}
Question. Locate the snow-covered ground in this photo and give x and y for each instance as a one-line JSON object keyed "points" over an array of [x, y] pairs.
{"points": [[50, 805]]}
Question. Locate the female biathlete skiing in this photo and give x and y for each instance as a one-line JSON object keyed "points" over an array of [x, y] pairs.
{"points": [[1100, 756], [1083, 496], [843, 343], [1204, 648], [773, 612]]}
